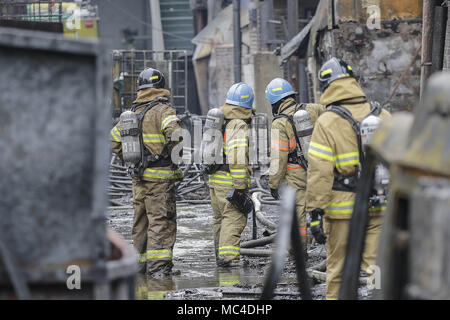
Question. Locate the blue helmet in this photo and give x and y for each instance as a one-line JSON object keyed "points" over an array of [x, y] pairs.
{"points": [[240, 94], [278, 89]]}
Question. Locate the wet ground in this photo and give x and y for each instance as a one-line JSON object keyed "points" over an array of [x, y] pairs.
{"points": [[199, 277]]}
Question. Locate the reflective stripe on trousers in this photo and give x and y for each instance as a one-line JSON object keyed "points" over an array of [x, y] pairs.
{"points": [[162, 173], [163, 254], [221, 178], [238, 173], [229, 250], [336, 208]]}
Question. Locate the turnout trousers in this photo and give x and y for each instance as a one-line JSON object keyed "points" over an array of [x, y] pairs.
{"points": [[228, 224], [336, 231], [154, 225]]}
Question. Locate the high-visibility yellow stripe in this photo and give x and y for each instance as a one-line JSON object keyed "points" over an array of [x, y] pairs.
{"points": [[154, 138], [153, 135], [382, 208], [159, 254], [321, 146], [277, 89], [168, 120], [230, 247], [153, 78], [237, 143], [245, 96], [314, 223], [211, 180], [162, 174], [346, 159], [347, 155], [321, 151], [345, 207], [320, 155], [341, 204], [115, 134], [221, 179], [238, 173], [229, 252], [326, 72]]}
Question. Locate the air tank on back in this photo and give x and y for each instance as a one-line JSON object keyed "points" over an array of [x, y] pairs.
{"points": [[368, 127], [304, 127], [259, 140], [212, 137], [129, 130]]}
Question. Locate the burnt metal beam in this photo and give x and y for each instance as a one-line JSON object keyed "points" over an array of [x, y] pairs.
{"points": [[439, 28]]}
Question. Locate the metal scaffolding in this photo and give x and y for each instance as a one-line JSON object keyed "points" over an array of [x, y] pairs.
{"points": [[172, 63]]}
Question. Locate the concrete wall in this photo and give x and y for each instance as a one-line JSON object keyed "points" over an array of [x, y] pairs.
{"points": [[54, 120], [262, 68], [220, 76]]}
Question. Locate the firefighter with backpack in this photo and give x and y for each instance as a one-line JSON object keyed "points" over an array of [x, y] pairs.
{"points": [[142, 139], [334, 161], [290, 135], [226, 138]]}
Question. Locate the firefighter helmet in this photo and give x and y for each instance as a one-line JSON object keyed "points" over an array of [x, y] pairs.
{"points": [[240, 94], [278, 89], [332, 70], [151, 78]]}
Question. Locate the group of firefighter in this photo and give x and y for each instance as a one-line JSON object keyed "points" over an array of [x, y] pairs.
{"points": [[315, 148]]}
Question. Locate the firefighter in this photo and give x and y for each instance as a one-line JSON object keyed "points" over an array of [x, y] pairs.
{"points": [[154, 223], [334, 158], [285, 164], [233, 175]]}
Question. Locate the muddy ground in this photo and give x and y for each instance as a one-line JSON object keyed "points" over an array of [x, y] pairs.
{"points": [[198, 276]]}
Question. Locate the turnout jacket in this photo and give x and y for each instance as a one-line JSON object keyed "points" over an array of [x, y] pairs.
{"points": [[157, 127], [235, 148], [283, 143], [334, 150]]}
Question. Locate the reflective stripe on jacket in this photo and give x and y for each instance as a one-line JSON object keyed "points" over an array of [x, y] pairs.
{"points": [[235, 148], [283, 143], [157, 127], [334, 148]]}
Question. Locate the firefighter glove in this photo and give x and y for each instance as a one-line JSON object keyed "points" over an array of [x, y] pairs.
{"points": [[316, 226], [240, 200]]}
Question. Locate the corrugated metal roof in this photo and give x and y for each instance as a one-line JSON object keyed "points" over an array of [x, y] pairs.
{"points": [[177, 19]]}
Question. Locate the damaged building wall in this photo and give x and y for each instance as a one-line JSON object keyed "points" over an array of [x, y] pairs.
{"points": [[379, 59], [220, 72], [383, 58], [357, 10]]}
